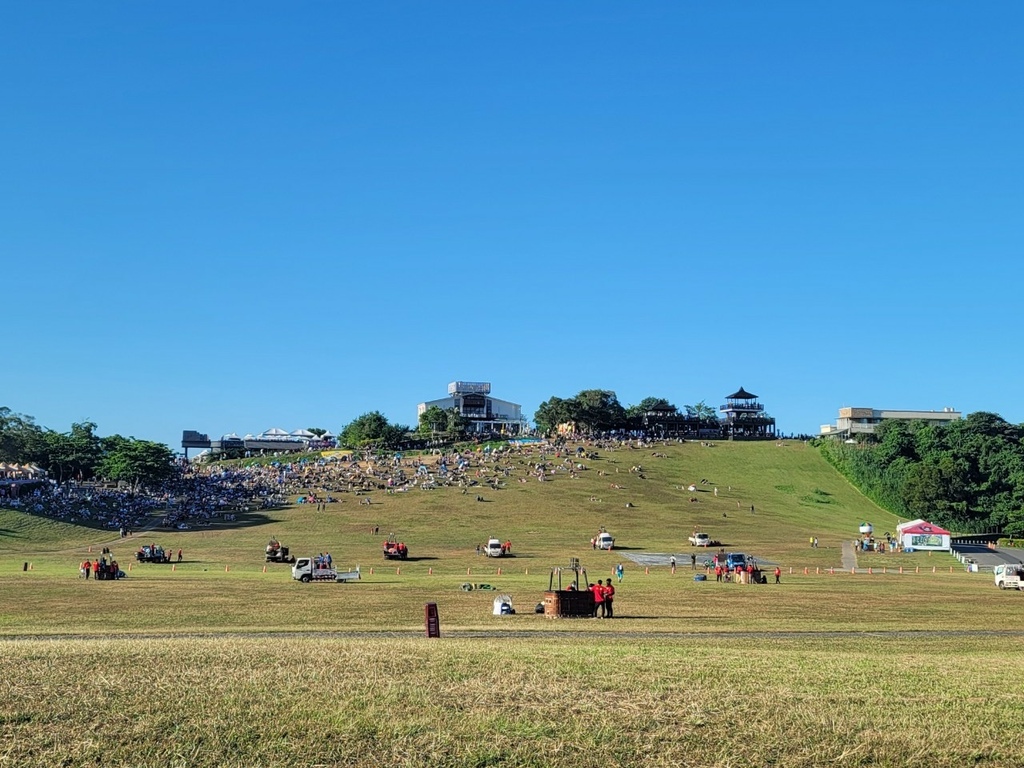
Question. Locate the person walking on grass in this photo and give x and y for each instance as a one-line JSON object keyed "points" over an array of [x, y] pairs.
{"points": [[778, 574]]}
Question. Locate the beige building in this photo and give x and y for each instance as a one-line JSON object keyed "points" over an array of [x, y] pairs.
{"points": [[485, 413], [864, 421]]}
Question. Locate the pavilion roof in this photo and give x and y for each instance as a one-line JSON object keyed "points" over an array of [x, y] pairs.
{"points": [[741, 394]]}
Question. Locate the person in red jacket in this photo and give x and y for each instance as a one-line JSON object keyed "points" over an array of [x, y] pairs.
{"points": [[609, 597], [598, 591]]}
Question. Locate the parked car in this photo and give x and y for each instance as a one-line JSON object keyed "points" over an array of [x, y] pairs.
{"points": [[700, 540], [736, 560]]}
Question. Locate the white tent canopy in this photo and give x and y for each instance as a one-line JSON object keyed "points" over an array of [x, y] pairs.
{"points": [[302, 433], [274, 432]]}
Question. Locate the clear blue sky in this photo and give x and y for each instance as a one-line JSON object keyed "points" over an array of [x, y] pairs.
{"points": [[231, 216]]}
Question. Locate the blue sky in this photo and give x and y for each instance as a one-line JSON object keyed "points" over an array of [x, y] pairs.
{"points": [[232, 216]]}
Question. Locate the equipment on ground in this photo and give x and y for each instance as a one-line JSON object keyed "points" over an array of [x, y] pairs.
{"points": [[395, 549], [571, 600], [278, 554]]}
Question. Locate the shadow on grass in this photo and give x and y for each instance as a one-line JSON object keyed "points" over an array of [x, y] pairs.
{"points": [[242, 520]]}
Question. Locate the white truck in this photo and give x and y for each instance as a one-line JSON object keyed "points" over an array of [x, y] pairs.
{"points": [[1008, 575], [495, 548], [307, 570], [700, 540]]}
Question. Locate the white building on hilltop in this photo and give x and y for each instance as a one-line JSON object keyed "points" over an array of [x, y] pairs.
{"points": [[864, 421], [472, 400]]}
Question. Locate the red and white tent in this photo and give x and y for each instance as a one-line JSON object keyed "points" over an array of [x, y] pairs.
{"points": [[920, 534]]}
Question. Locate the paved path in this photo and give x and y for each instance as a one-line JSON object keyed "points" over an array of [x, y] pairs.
{"points": [[849, 556], [986, 558]]}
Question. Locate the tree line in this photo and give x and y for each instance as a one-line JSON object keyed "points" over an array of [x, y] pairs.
{"points": [[591, 411], [598, 410], [967, 476], [81, 454]]}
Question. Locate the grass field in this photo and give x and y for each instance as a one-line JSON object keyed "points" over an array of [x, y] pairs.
{"points": [[217, 662]]}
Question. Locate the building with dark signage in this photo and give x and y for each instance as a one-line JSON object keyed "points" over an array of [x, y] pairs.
{"points": [[472, 400]]}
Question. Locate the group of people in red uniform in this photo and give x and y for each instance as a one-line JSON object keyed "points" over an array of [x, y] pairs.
{"points": [[101, 569], [604, 598]]}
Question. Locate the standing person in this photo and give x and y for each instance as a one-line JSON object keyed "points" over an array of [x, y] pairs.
{"points": [[609, 596], [672, 563], [86, 567], [693, 561], [619, 572], [778, 574], [597, 590], [179, 555]]}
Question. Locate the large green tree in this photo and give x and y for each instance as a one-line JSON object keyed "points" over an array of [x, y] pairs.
{"points": [[73, 455], [599, 410], [372, 430], [21, 439], [553, 412], [647, 405], [140, 463], [432, 421]]}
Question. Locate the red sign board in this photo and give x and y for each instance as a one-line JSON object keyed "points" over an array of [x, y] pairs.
{"points": [[433, 623]]}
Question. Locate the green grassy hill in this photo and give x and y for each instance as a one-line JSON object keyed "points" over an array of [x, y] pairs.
{"points": [[224, 584], [794, 493]]}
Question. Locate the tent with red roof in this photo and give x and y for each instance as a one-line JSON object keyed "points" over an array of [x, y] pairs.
{"points": [[920, 534]]}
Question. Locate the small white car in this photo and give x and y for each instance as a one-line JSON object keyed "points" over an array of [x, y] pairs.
{"points": [[700, 540], [605, 540]]}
